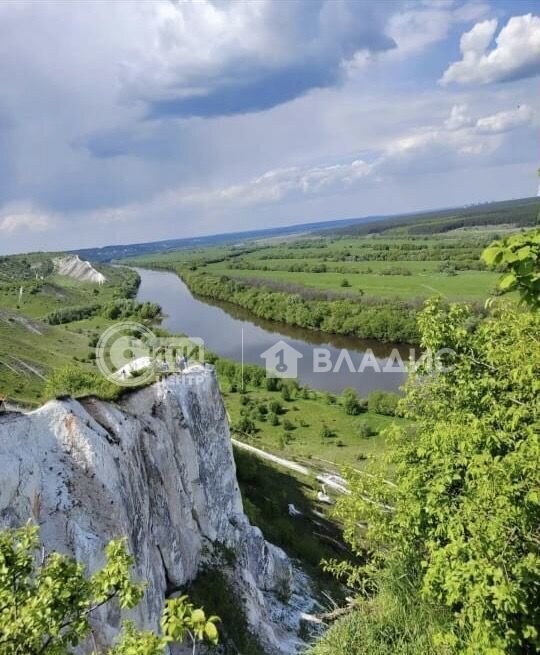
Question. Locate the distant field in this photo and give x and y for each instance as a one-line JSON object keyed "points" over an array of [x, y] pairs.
{"points": [[464, 285], [521, 213]]}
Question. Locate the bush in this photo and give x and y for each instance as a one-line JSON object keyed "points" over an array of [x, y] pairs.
{"points": [[365, 430], [245, 424], [350, 402], [463, 530], [76, 382], [275, 407], [288, 425], [70, 314], [47, 602], [326, 432], [383, 402]]}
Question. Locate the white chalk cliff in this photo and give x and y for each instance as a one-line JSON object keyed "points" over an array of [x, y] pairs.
{"points": [[78, 269], [157, 468]]}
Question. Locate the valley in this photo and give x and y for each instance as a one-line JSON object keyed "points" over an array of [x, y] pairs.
{"points": [[355, 293]]}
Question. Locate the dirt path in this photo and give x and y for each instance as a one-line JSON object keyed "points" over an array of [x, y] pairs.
{"points": [[286, 463]]}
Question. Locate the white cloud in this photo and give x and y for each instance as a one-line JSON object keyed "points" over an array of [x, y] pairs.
{"points": [[516, 53], [415, 29], [438, 146], [504, 121], [459, 117], [275, 185], [209, 59], [24, 219]]}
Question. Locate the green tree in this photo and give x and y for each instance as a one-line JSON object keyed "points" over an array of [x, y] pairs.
{"points": [[458, 526], [519, 257], [46, 603], [350, 402]]}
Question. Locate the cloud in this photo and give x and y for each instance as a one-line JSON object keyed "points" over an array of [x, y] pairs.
{"points": [[504, 121], [459, 117], [416, 28], [516, 54], [24, 219], [257, 115], [275, 185], [217, 59], [454, 143], [458, 139]]}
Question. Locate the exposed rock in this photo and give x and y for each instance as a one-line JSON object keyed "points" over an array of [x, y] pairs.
{"points": [[157, 468], [79, 269]]}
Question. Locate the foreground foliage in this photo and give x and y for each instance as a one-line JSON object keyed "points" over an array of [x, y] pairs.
{"points": [[461, 523], [519, 257], [46, 603], [393, 623]]}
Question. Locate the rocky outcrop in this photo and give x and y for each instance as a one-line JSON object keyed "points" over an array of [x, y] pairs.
{"points": [[78, 269], [157, 468]]}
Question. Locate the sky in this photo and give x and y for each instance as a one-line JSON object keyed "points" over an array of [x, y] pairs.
{"points": [[123, 122]]}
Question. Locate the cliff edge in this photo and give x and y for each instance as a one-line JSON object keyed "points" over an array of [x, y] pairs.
{"points": [[157, 468]]}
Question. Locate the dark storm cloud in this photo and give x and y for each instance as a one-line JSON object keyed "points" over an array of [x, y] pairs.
{"points": [[305, 45]]}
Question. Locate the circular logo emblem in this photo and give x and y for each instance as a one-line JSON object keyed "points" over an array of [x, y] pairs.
{"points": [[124, 354]]}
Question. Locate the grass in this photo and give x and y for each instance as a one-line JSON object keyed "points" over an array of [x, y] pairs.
{"points": [[30, 348], [267, 490], [23, 351], [363, 261], [387, 625], [465, 285], [304, 441]]}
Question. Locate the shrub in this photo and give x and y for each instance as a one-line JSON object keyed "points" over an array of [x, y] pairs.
{"points": [[463, 530], [76, 382], [288, 425], [47, 602], [245, 424], [365, 430], [326, 432], [272, 384], [70, 314], [350, 402], [383, 402], [275, 407]]}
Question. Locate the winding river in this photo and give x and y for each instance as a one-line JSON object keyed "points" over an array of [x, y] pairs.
{"points": [[231, 332]]}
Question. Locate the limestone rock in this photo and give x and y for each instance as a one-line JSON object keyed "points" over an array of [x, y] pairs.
{"points": [[157, 468]]}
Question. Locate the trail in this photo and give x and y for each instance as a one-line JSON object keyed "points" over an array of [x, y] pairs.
{"points": [[335, 482], [286, 463]]}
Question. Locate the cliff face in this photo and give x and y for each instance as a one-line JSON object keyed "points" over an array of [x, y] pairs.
{"points": [[157, 468], [75, 267]]}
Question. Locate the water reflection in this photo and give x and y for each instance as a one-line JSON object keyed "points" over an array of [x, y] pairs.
{"points": [[224, 327]]}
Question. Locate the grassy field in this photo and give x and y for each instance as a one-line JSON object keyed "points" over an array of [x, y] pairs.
{"points": [[30, 347], [422, 283], [305, 419], [391, 264]]}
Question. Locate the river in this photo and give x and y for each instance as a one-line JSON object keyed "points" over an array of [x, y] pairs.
{"points": [[235, 333]]}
